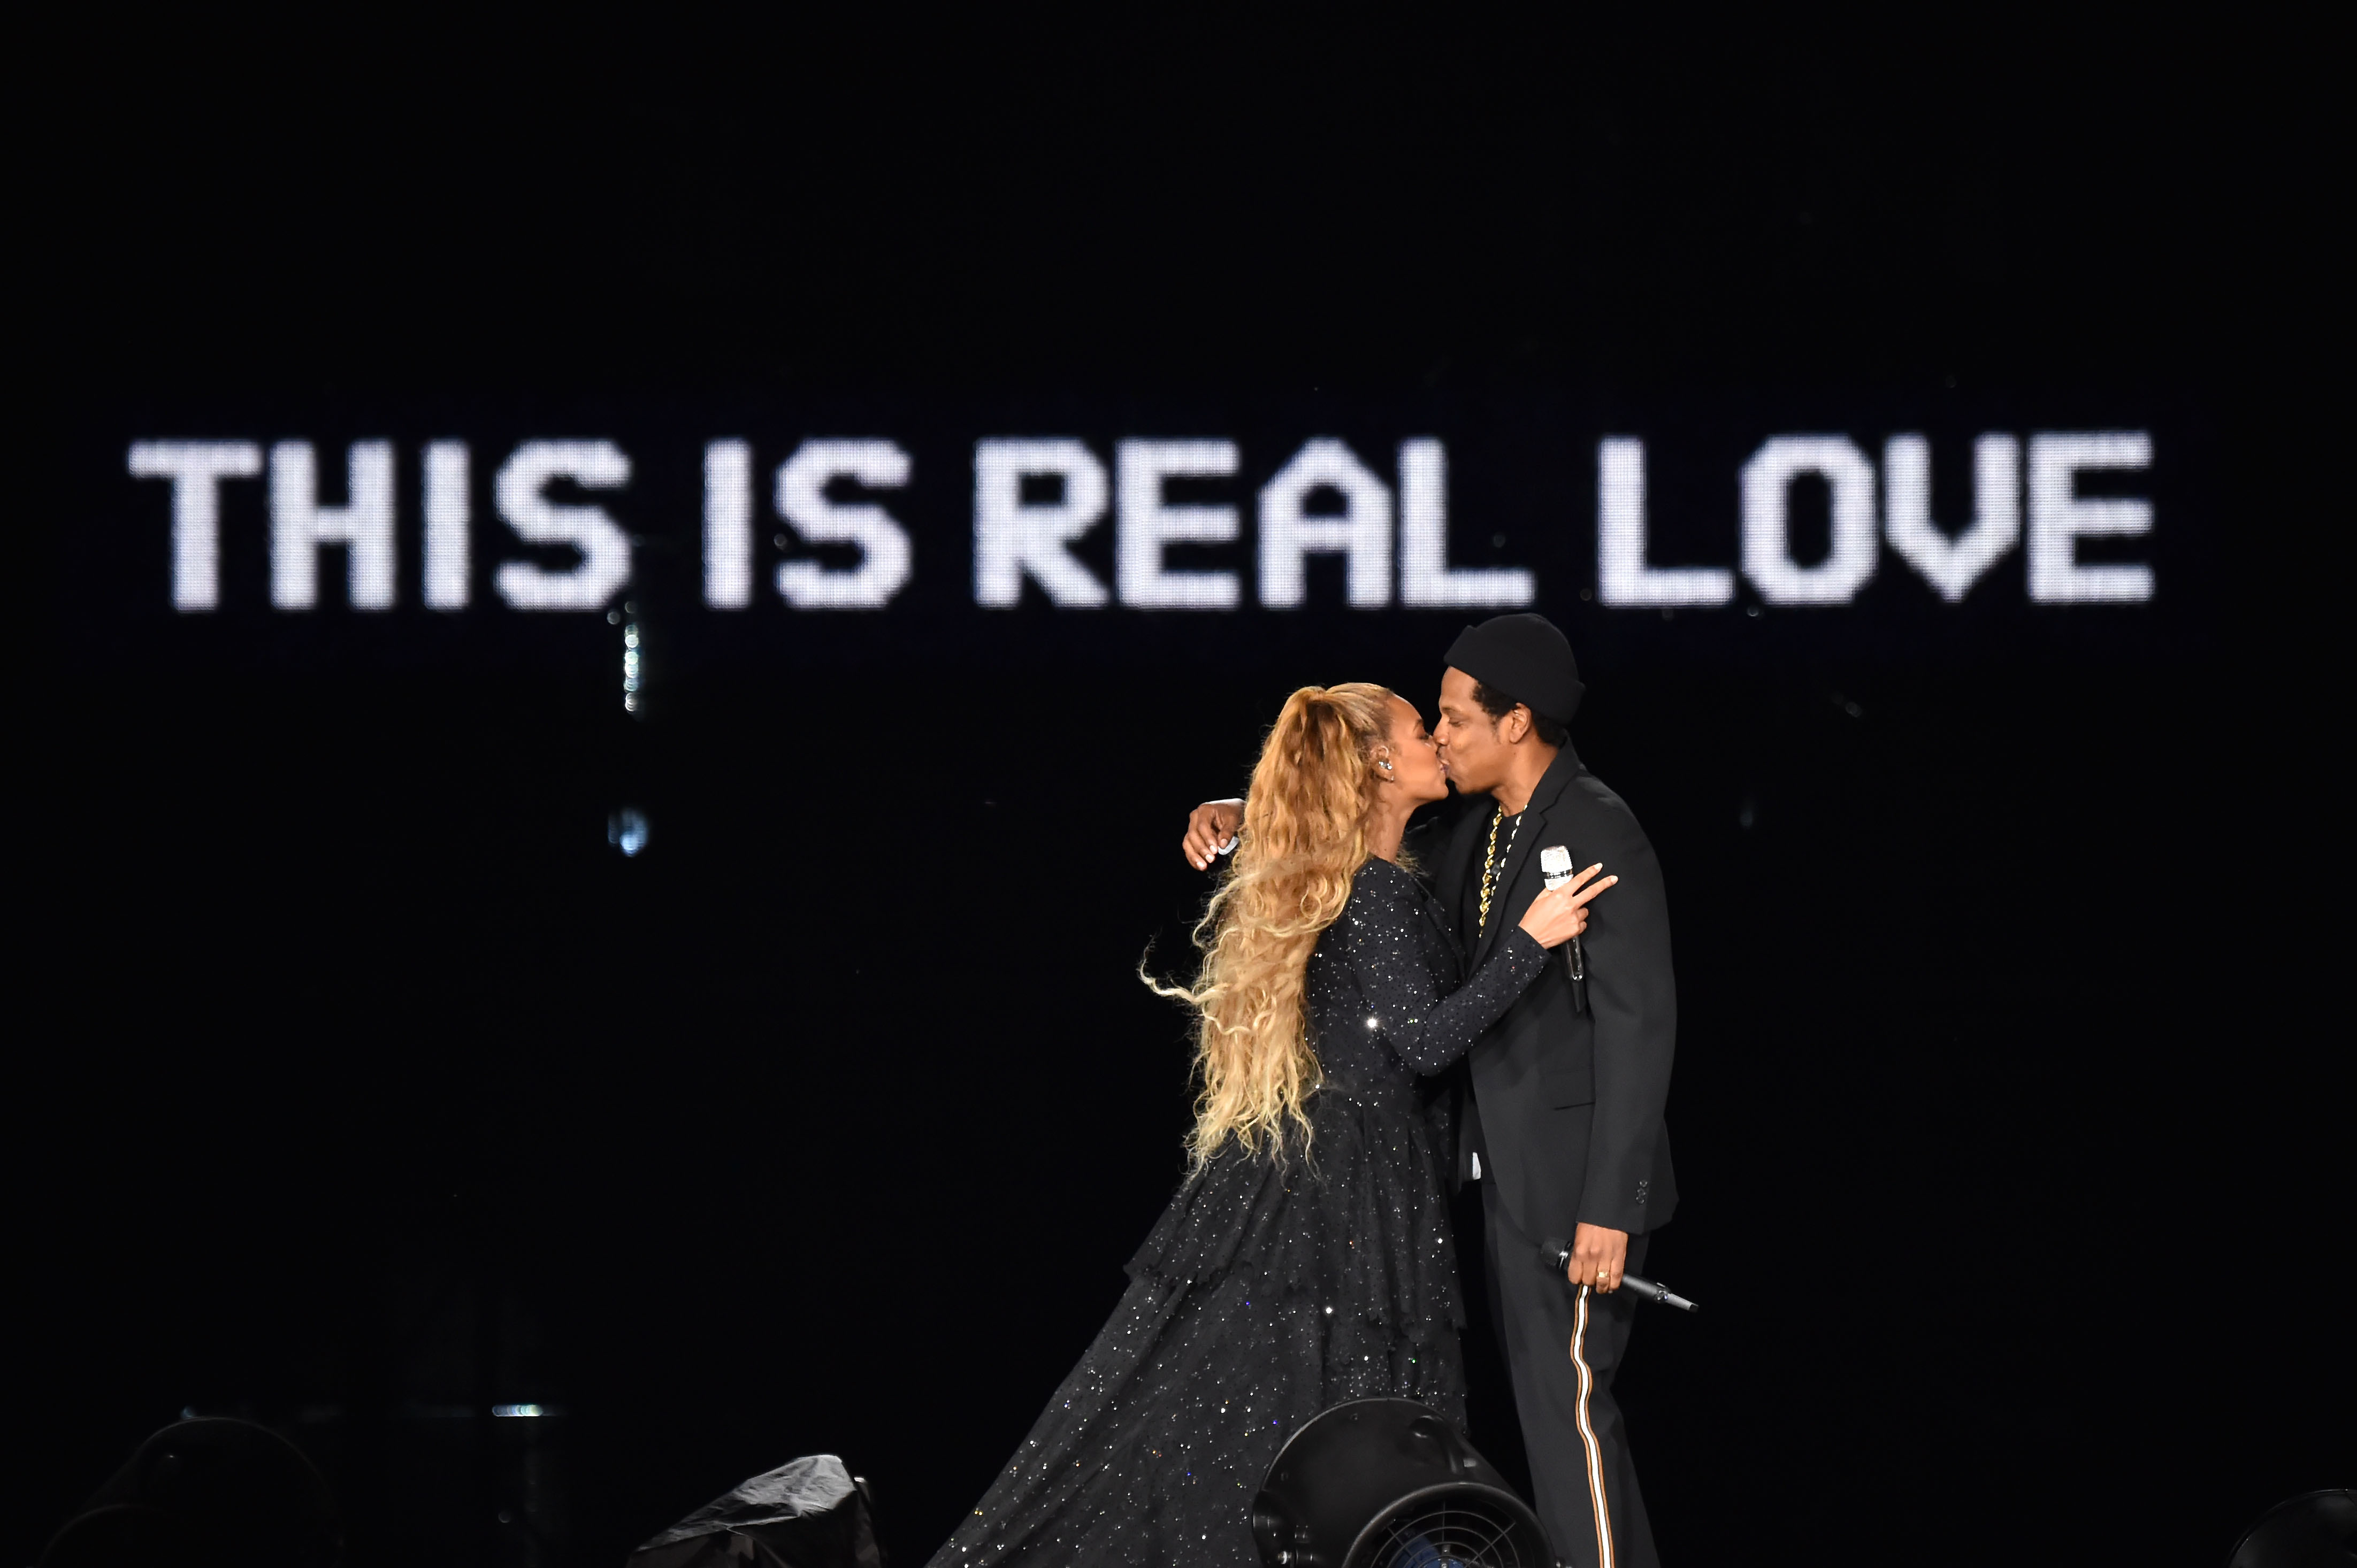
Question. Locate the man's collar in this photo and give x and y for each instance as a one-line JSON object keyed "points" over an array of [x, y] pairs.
{"points": [[1551, 783]]}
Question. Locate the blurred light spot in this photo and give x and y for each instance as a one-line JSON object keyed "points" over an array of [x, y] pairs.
{"points": [[516, 1410], [626, 830]]}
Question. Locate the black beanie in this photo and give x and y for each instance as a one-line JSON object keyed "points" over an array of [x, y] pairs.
{"points": [[1524, 657]]}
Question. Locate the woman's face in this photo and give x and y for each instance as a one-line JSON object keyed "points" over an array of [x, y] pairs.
{"points": [[1415, 759]]}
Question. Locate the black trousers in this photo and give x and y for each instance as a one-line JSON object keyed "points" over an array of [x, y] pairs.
{"points": [[1560, 1347]]}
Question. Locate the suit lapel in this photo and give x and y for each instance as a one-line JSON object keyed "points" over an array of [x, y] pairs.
{"points": [[1522, 856], [1459, 869], [1448, 871]]}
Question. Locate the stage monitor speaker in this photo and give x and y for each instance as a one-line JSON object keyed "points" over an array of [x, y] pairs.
{"points": [[1386, 1483], [2316, 1530], [208, 1492]]}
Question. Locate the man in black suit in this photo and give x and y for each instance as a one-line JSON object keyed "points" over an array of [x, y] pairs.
{"points": [[1562, 1128]]}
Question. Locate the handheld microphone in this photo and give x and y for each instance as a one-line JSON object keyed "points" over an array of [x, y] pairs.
{"points": [[1555, 1252], [1555, 866]]}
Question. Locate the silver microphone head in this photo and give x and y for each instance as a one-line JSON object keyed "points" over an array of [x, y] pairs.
{"points": [[1554, 864]]}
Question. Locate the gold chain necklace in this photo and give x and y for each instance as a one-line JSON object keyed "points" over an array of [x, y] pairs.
{"points": [[1491, 860]]}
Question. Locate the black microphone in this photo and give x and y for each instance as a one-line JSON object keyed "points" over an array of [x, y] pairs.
{"points": [[1555, 1252]]}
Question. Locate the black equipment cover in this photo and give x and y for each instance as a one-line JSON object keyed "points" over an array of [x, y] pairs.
{"points": [[806, 1513]]}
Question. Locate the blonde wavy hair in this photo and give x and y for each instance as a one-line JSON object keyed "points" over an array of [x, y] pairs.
{"points": [[1304, 837]]}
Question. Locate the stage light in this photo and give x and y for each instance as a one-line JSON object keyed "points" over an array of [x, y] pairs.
{"points": [[634, 659], [1386, 1483], [627, 830]]}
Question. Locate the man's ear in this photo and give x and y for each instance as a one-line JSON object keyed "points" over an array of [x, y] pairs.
{"points": [[1517, 724]]}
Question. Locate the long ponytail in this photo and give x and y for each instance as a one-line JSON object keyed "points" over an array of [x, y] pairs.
{"points": [[1304, 837]]}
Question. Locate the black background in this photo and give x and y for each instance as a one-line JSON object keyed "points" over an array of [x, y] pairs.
{"points": [[358, 1080]]}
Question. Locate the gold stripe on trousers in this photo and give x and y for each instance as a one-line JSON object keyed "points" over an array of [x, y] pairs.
{"points": [[1588, 1437]]}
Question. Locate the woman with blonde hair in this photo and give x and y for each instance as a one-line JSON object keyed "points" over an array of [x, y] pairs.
{"points": [[1307, 1259]]}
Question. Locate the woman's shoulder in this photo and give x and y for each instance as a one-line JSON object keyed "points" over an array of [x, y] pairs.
{"points": [[1389, 904], [1385, 886]]}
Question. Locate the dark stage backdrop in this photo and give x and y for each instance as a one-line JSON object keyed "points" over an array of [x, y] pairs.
{"points": [[884, 534]]}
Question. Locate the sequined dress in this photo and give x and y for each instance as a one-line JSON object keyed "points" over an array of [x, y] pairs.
{"points": [[1266, 1292]]}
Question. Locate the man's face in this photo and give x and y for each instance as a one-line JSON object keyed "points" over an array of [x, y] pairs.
{"points": [[1470, 747]]}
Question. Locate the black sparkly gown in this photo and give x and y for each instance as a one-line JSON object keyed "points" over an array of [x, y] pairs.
{"points": [[1267, 1292]]}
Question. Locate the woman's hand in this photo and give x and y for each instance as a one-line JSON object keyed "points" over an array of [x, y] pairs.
{"points": [[1209, 825], [1556, 917]]}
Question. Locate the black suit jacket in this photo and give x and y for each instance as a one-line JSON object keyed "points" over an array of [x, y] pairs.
{"points": [[1567, 1106]]}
